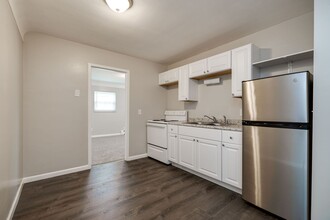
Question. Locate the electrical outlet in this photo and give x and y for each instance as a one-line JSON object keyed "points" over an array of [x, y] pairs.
{"points": [[139, 111], [77, 92]]}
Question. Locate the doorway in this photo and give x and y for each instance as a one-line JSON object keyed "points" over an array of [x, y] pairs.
{"points": [[108, 95]]}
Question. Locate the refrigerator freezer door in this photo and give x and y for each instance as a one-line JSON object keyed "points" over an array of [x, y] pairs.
{"points": [[282, 99], [275, 170]]}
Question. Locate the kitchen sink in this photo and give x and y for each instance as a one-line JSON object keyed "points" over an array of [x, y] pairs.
{"points": [[209, 123], [203, 123]]}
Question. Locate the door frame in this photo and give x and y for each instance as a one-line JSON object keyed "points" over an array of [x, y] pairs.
{"points": [[90, 104]]}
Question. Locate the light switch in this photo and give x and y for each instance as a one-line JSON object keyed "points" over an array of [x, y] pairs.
{"points": [[139, 111], [77, 92]]}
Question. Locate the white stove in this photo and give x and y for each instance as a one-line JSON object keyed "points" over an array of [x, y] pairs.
{"points": [[157, 134]]}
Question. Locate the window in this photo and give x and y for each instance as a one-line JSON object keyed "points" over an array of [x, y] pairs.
{"points": [[104, 101]]}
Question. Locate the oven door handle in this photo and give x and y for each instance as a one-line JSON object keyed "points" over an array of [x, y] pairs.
{"points": [[156, 125]]}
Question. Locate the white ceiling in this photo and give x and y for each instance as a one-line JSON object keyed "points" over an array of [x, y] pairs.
{"points": [[164, 31]]}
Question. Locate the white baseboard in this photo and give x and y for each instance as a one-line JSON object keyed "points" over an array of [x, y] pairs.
{"points": [[108, 135], [15, 202], [41, 177], [55, 173], [136, 157]]}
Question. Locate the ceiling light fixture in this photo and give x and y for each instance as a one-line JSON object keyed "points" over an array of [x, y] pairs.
{"points": [[119, 6]]}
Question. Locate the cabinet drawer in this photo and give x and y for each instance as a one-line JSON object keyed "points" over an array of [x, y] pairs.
{"points": [[158, 153], [173, 129], [205, 133], [232, 137]]}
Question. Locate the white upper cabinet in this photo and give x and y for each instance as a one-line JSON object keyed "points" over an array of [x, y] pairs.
{"points": [[209, 66], [188, 88], [169, 77], [219, 62], [197, 68], [242, 69]]}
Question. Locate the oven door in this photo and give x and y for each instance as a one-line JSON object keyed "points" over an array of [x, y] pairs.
{"points": [[157, 134]]}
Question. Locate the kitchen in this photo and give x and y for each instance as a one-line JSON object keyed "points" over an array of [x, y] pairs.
{"points": [[44, 158], [274, 108]]}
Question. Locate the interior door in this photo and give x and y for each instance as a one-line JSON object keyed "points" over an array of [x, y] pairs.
{"points": [[275, 170]]}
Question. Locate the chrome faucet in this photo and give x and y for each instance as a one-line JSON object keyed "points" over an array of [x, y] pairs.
{"points": [[225, 120], [214, 119]]}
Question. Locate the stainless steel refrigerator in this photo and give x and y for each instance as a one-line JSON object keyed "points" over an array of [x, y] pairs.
{"points": [[277, 123]]}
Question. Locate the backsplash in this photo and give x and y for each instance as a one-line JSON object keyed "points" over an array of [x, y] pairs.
{"points": [[214, 100]]}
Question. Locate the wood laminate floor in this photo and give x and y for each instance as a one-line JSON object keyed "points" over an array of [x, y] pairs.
{"points": [[141, 189]]}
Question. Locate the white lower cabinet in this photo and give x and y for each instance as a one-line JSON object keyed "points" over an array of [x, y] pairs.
{"points": [[187, 151], [209, 158], [232, 164], [211, 152], [173, 150]]}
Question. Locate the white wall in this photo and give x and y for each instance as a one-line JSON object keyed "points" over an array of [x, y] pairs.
{"points": [[109, 122], [10, 108], [321, 137], [292, 36], [55, 122]]}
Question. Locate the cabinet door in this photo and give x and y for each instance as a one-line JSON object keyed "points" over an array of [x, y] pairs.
{"points": [[232, 164], [168, 77], [208, 158], [173, 147], [187, 152], [219, 62], [188, 88], [183, 83], [241, 68], [197, 68], [162, 78], [173, 75]]}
